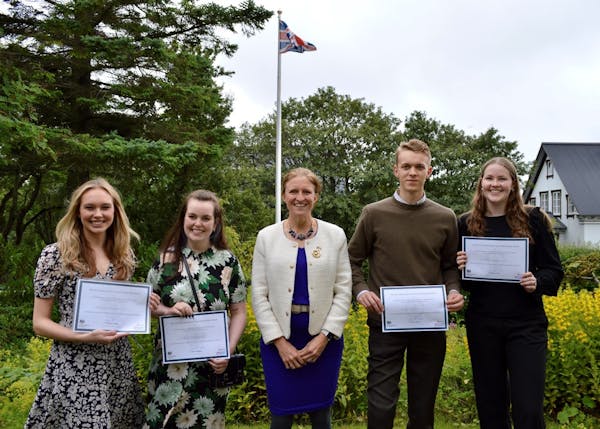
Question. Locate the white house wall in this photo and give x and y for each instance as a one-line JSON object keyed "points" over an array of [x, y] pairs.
{"points": [[575, 230], [591, 230]]}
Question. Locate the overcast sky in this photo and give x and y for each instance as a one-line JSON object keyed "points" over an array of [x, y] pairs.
{"points": [[529, 68]]}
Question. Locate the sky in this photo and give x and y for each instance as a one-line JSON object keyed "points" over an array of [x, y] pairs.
{"points": [[529, 68]]}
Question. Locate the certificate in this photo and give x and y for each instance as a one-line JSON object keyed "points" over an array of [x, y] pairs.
{"points": [[414, 308], [496, 259], [112, 305], [203, 336]]}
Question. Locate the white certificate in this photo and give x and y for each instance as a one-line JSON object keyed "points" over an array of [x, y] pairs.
{"points": [[414, 308], [203, 336], [496, 259], [112, 305]]}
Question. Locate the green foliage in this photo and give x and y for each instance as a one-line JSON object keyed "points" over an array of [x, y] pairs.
{"points": [[17, 264], [573, 366], [347, 142], [572, 383], [455, 399], [20, 376], [350, 144], [566, 252], [582, 270], [457, 158], [116, 89]]}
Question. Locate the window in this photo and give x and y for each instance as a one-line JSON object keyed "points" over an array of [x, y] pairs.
{"points": [[556, 209], [532, 201], [571, 210], [544, 201], [549, 168]]}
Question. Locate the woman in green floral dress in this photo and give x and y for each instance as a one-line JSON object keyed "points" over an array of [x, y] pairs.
{"points": [[179, 394]]}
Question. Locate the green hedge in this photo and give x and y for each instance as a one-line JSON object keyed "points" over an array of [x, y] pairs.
{"points": [[572, 387]]}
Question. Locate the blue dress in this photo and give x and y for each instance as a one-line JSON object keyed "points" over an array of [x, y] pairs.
{"points": [[312, 387]]}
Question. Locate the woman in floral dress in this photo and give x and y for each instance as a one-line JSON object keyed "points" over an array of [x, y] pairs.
{"points": [[179, 394], [90, 380]]}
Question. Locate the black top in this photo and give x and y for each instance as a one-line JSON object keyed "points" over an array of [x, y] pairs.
{"points": [[498, 299]]}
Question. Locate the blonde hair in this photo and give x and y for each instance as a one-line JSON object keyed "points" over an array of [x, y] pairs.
{"points": [[414, 145], [517, 215], [302, 172], [74, 249]]}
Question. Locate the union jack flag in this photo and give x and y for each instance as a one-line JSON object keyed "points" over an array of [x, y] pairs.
{"points": [[288, 41]]}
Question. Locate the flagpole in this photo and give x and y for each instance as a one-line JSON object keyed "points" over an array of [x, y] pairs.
{"points": [[278, 131]]}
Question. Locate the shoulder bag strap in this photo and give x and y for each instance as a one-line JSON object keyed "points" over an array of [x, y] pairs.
{"points": [[191, 280]]}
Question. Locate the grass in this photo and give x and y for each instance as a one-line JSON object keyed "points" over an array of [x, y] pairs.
{"points": [[400, 423]]}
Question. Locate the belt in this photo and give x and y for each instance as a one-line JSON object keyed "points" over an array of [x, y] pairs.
{"points": [[299, 308]]}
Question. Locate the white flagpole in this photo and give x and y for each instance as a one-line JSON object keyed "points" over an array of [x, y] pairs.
{"points": [[278, 131]]}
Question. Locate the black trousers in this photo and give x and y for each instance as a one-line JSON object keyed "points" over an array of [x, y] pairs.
{"points": [[425, 352], [508, 358]]}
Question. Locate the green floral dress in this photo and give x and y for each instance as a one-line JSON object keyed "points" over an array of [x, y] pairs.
{"points": [[179, 394]]}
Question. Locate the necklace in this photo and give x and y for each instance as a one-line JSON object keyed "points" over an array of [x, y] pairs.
{"points": [[300, 236]]}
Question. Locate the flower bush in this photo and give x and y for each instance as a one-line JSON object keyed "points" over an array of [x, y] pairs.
{"points": [[573, 368], [572, 381]]}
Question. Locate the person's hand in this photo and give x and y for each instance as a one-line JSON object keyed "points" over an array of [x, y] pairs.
{"points": [[370, 301], [455, 301], [100, 336], [218, 365], [313, 349], [529, 282], [182, 309], [289, 354], [461, 259], [154, 302]]}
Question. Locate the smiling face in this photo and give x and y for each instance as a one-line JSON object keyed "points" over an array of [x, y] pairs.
{"points": [[300, 196], [96, 212], [199, 223], [496, 185], [412, 170]]}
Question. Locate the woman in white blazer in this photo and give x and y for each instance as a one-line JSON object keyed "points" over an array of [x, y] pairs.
{"points": [[301, 293]]}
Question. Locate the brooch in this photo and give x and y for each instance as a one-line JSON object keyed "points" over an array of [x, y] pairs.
{"points": [[317, 252]]}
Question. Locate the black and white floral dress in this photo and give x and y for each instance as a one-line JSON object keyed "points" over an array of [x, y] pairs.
{"points": [[179, 394], [85, 385]]}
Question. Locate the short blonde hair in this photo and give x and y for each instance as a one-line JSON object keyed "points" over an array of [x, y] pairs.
{"points": [[414, 145]]}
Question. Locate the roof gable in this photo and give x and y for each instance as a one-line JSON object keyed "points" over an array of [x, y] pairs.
{"points": [[578, 165]]}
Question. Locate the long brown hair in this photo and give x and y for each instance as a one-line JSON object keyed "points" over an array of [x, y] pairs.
{"points": [[175, 239], [75, 252], [516, 212]]}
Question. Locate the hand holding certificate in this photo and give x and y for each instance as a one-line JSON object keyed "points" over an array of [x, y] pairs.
{"points": [[496, 259], [201, 337], [414, 308], [112, 306]]}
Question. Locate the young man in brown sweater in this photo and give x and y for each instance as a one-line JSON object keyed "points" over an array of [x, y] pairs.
{"points": [[407, 240]]}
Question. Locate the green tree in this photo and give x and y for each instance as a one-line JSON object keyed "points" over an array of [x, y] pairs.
{"points": [[340, 138], [350, 144], [107, 87], [458, 157]]}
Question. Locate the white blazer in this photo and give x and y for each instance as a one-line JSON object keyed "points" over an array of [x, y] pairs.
{"points": [[329, 280]]}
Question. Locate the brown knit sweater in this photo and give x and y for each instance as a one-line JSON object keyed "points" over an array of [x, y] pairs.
{"points": [[404, 245]]}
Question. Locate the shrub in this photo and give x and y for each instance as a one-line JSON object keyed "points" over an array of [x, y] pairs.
{"points": [[573, 367], [582, 271], [567, 251], [248, 402], [20, 376]]}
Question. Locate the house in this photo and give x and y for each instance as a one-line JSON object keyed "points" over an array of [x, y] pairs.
{"points": [[565, 182]]}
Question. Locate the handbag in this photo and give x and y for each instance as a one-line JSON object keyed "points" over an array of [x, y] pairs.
{"points": [[234, 373]]}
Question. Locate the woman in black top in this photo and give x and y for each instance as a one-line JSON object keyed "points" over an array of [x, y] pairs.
{"points": [[506, 323]]}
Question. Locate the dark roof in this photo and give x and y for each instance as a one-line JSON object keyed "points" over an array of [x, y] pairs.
{"points": [[578, 165], [557, 225]]}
